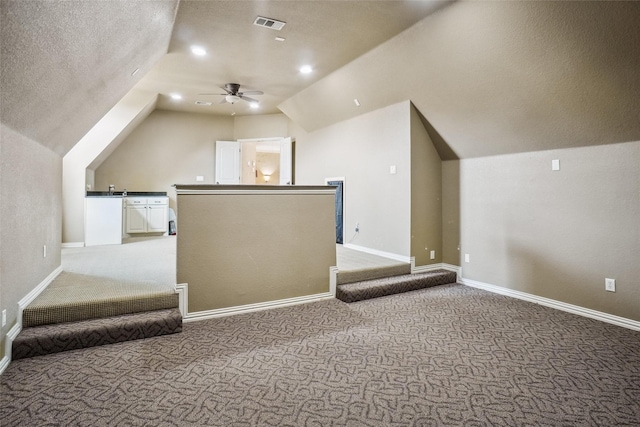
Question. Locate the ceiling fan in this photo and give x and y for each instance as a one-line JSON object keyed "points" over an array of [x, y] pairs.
{"points": [[234, 95]]}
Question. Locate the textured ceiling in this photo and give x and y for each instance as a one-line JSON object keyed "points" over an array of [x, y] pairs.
{"points": [[323, 34], [488, 77], [66, 63], [499, 77]]}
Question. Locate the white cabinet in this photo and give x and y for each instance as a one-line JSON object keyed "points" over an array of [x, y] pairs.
{"points": [[146, 214]]}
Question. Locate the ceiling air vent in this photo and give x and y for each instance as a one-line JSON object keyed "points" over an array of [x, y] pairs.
{"points": [[269, 23], [203, 103]]}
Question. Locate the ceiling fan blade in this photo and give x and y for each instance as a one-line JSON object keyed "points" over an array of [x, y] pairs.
{"points": [[216, 94], [246, 98], [252, 92]]}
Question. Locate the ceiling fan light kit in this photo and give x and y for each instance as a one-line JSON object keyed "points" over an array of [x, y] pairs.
{"points": [[234, 95]]}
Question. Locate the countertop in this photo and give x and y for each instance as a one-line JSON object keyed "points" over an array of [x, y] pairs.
{"points": [[129, 194]]}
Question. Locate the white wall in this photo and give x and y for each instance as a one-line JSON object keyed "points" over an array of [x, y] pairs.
{"points": [[362, 150]]}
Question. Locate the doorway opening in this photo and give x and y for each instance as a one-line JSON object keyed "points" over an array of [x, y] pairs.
{"points": [[339, 184]]}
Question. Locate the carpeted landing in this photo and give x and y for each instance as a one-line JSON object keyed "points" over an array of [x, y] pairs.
{"points": [[79, 311]]}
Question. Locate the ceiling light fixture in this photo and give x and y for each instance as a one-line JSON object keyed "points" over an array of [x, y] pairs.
{"points": [[176, 96], [198, 50], [306, 69], [232, 99], [355, 101]]}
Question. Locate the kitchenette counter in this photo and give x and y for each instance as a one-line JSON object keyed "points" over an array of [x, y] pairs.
{"points": [[129, 194]]}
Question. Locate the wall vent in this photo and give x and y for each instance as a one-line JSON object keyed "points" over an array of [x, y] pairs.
{"points": [[269, 23]]}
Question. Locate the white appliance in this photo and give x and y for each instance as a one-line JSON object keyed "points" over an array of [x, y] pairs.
{"points": [[102, 220]]}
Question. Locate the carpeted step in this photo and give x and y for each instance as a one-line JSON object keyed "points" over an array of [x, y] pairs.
{"points": [[47, 339], [54, 307], [362, 274], [368, 289]]}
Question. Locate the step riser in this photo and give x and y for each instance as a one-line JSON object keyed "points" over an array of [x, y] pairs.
{"points": [[353, 276], [394, 285], [42, 340], [53, 314]]}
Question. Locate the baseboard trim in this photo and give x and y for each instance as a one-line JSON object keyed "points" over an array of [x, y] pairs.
{"points": [[333, 280], [73, 245], [249, 308], [558, 305], [182, 289], [22, 304], [384, 254]]}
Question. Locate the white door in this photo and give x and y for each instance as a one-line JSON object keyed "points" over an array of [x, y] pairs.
{"points": [[286, 162], [227, 162]]}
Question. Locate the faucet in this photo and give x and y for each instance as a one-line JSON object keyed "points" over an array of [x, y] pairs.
{"points": [[112, 188]]}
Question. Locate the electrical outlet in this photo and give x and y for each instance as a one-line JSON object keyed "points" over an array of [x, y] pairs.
{"points": [[610, 285], [199, 178], [433, 254], [4, 317], [466, 258]]}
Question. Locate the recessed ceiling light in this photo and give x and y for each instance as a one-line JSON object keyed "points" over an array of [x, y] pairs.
{"points": [[254, 105], [306, 69], [176, 96], [280, 39], [355, 101], [198, 50]]}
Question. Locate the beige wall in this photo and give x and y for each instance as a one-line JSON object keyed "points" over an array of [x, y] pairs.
{"points": [[237, 249], [426, 195], [451, 212], [30, 217], [362, 150], [268, 163], [556, 234], [261, 126], [167, 148]]}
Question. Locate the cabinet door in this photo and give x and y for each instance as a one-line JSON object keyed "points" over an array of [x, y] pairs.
{"points": [[136, 219], [157, 220]]}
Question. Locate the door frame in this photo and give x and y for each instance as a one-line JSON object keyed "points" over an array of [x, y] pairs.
{"points": [[344, 204]]}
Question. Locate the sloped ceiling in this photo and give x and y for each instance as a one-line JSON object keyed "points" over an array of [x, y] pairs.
{"points": [[487, 77], [499, 77], [66, 63], [320, 33]]}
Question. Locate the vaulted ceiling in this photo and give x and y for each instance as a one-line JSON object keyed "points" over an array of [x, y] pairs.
{"points": [[488, 77]]}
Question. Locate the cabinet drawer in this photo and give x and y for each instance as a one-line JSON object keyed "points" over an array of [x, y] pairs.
{"points": [[158, 201], [129, 201]]}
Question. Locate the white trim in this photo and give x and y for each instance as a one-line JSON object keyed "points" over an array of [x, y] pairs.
{"points": [[22, 304], [401, 258], [73, 245], [182, 289], [222, 312], [333, 280], [558, 305]]}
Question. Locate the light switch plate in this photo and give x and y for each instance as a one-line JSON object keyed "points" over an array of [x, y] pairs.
{"points": [[466, 258], [610, 285], [555, 165], [199, 178], [392, 169]]}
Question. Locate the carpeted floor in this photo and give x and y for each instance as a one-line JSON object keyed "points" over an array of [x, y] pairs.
{"points": [[444, 356]]}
